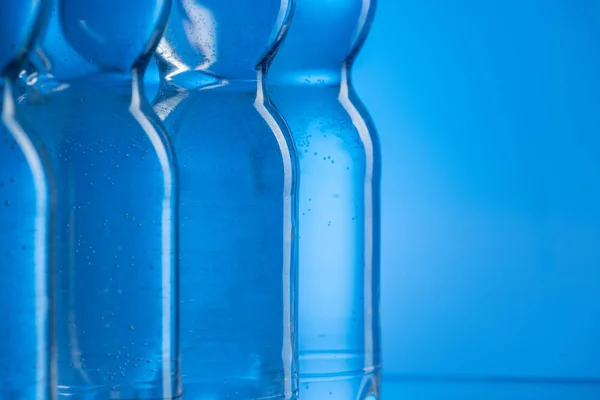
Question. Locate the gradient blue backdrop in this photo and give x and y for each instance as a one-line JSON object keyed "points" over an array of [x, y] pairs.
{"points": [[489, 117]]}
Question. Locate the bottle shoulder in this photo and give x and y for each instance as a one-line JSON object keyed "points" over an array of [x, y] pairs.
{"points": [[325, 119], [225, 108], [320, 104], [21, 23], [225, 127], [91, 118]]}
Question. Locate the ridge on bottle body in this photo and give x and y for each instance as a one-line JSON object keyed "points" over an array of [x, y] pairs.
{"points": [[247, 37], [324, 36]]}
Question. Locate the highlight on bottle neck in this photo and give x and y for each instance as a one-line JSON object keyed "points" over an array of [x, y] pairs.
{"points": [[20, 23], [86, 37], [222, 40], [324, 38]]}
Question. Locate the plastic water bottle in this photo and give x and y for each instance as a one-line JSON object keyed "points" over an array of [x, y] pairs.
{"points": [[238, 212], [116, 219], [339, 157], [25, 211]]}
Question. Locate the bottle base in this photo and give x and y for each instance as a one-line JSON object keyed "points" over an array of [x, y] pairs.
{"points": [[110, 393], [343, 386], [242, 390], [234, 395]]}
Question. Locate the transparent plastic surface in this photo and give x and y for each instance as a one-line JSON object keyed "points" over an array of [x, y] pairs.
{"points": [[339, 217], [237, 167], [25, 209], [116, 218]]}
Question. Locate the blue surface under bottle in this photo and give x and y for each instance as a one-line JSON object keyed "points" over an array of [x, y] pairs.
{"points": [[25, 211], [339, 157], [115, 228], [238, 213]]}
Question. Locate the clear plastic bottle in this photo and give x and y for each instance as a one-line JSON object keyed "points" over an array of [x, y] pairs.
{"points": [[339, 157], [25, 212], [238, 211], [116, 216]]}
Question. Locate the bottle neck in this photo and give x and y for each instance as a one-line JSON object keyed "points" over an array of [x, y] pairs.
{"points": [[331, 76], [189, 80], [104, 82]]}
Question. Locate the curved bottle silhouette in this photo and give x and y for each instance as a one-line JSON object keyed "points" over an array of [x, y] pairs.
{"points": [[25, 211], [115, 230], [339, 157], [237, 167]]}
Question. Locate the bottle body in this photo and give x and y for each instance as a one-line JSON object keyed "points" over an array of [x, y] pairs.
{"points": [[25, 286], [237, 266], [115, 244], [339, 164]]}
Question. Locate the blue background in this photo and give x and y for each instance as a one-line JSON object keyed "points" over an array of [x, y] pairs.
{"points": [[489, 118]]}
